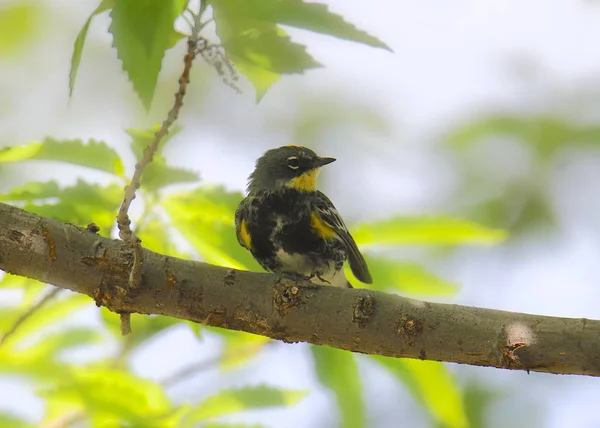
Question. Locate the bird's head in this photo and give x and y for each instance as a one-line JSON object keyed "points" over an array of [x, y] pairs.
{"points": [[295, 167]]}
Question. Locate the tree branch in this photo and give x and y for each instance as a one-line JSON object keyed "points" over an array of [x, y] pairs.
{"points": [[358, 320]]}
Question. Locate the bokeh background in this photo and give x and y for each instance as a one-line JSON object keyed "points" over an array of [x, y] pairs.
{"points": [[486, 111]]}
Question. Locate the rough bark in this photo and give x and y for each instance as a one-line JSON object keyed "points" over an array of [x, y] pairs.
{"points": [[358, 320]]}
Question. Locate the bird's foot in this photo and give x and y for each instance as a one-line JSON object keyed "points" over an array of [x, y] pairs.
{"points": [[319, 275], [297, 278]]}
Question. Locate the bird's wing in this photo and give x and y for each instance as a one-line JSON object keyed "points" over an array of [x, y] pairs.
{"points": [[241, 227], [330, 216]]}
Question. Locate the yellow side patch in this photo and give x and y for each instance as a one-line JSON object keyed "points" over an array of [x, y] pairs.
{"points": [[306, 182], [327, 232], [245, 236]]}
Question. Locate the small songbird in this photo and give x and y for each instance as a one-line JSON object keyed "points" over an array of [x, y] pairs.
{"points": [[292, 228]]}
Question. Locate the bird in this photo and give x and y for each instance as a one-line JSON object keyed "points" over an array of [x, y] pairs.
{"points": [[290, 227]]}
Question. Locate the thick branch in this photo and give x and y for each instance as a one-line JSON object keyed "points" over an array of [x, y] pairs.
{"points": [[357, 320]]}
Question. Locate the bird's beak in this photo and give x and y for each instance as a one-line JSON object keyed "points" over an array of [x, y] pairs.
{"points": [[319, 162]]}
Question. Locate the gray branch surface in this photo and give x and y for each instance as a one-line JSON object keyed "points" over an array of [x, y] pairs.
{"points": [[358, 320]]}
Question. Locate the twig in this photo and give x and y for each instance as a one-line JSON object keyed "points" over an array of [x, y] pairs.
{"points": [[28, 313], [209, 364], [66, 419], [123, 221]]}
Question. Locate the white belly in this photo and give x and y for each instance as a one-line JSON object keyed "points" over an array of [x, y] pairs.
{"points": [[303, 265]]}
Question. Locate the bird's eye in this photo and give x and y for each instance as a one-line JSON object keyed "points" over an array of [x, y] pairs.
{"points": [[293, 162]]}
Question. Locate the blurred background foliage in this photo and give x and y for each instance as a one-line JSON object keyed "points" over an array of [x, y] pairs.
{"points": [[429, 207]]}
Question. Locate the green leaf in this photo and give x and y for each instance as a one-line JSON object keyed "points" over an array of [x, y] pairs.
{"points": [[10, 421], [110, 393], [80, 40], [260, 50], [19, 153], [223, 425], [295, 13], [338, 371], [141, 138], [52, 311], [405, 277], [239, 346], [142, 31], [94, 154], [426, 230], [155, 236], [479, 400], [80, 204], [205, 216], [237, 400], [546, 134], [19, 24], [158, 174], [54, 343], [34, 190], [432, 385]]}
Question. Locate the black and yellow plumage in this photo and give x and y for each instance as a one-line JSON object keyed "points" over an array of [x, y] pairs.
{"points": [[291, 227]]}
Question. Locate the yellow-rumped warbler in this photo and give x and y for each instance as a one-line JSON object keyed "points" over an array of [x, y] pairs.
{"points": [[291, 227]]}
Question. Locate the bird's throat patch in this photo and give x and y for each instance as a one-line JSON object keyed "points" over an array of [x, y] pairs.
{"points": [[306, 182], [246, 238]]}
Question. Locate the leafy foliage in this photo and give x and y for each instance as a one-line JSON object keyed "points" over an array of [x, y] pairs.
{"points": [[406, 277], [158, 174], [232, 401], [105, 392], [142, 32], [520, 202], [80, 41], [432, 385], [338, 371], [432, 230], [249, 31], [254, 41], [18, 26], [94, 154]]}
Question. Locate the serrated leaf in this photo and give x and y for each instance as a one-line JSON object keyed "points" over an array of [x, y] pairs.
{"points": [[19, 153], [431, 384], [141, 138], [80, 40], [18, 25], [34, 190], [295, 13], [337, 370], [142, 32], [93, 154], [237, 400], [80, 204], [157, 173], [115, 394], [260, 50], [406, 277], [205, 216], [426, 230]]}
